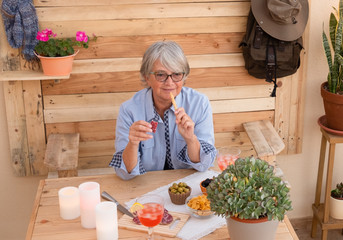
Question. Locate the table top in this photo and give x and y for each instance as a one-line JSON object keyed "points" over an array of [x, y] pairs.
{"points": [[46, 223]]}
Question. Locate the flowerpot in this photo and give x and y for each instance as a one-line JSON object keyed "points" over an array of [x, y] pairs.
{"points": [[333, 106], [336, 208], [248, 229], [57, 66]]}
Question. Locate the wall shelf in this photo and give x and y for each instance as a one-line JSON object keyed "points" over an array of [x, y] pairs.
{"points": [[28, 75]]}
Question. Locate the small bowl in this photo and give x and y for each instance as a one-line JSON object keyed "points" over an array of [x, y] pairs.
{"points": [[179, 199], [198, 213], [203, 189]]}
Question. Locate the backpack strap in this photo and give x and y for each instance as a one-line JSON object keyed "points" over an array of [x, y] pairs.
{"points": [[271, 65]]}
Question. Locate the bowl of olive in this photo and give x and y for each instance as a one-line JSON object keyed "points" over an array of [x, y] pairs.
{"points": [[178, 193]]}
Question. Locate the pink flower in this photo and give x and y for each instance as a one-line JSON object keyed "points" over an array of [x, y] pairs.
{"points": [[42, 36], [45, 34], [81, 36]]}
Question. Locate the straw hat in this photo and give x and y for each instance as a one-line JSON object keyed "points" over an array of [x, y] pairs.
{"points": [[282, 19]]}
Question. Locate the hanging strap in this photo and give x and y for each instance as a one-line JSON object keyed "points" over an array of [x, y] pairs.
{"points": [[271, 65]]}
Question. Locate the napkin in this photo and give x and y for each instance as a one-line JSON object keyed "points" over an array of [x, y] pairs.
{"points": [[195, 228]]}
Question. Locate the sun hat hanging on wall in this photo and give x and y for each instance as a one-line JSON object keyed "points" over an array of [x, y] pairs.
{"points": [[282, 19]]}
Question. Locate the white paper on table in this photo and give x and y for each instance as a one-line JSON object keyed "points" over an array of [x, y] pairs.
{"points": [[195, 228]]}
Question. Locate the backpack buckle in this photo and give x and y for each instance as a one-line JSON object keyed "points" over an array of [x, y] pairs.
{"points": [[258, 37]]}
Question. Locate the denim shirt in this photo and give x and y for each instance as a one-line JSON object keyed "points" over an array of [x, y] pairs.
{"points": [[152, 152]]}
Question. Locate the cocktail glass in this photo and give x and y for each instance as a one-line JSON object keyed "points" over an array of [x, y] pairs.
{"points": [[152, 212], [227, 156]]}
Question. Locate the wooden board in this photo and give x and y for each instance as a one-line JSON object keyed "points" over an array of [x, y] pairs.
{"points": [[62, 151], [127, 223], [128, 81], [143, 11], [132, 64], [264, 138]]}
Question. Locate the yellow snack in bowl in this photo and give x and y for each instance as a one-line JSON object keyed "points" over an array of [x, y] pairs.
{"points": [[199, 203]]}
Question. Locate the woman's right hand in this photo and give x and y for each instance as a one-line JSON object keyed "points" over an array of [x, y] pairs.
{"points": [[139, 132]]}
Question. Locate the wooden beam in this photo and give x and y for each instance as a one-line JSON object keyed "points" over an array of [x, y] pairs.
{"points": [[136, 11], [35, 128], [16, 123], [148, 26], [73, 3]]}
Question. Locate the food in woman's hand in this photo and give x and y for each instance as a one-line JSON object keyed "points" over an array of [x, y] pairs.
{"points": [[166, 219], [154, 125], [173, 101], [178, 192]]}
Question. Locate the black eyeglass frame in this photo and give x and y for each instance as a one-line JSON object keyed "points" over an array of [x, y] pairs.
{"points": [[168, 75]]}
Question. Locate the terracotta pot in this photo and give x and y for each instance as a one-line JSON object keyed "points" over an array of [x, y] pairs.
{"points": [[336, 208], [248, 229], [333, 106], [57, 66]]}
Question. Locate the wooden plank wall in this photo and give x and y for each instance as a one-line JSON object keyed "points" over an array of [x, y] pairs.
{"points": [[107, 74]]}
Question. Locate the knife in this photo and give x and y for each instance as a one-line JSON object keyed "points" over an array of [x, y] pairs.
{"points": [[120, 207]]}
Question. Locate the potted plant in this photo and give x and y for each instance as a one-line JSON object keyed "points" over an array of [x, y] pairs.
{"points": [[332, 89], [336, 202], [56, 55], [250, 197]]}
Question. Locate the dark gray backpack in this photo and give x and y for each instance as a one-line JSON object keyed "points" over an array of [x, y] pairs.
{"points": [[266, 57]]}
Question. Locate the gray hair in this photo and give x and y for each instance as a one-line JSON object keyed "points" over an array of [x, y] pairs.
{"points": [[171, 56]]}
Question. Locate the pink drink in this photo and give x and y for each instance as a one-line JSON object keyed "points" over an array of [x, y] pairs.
{"points": [[151, 215], [226, 160]]}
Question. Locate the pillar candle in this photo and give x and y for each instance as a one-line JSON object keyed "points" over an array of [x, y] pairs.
{"points": [[106, 221], [69, 200], [89, 198]]}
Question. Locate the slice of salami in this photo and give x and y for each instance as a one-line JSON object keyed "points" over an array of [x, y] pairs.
{"points": [[136, 220], [154, 125], [167, 218]]}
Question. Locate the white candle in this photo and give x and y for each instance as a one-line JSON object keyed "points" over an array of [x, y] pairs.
{"points": [[106, 221], [69, 200], [89, 198]]}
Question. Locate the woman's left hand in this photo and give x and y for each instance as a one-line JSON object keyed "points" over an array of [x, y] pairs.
{"points": [[184, 124]]}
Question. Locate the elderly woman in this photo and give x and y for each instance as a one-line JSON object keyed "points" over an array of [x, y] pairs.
{"points": [[184, 136]]}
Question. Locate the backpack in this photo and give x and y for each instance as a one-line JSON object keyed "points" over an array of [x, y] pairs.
{"points": [[267, 57]]}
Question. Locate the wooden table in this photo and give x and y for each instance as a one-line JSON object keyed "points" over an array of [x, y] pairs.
{"points": [[46, 223]]}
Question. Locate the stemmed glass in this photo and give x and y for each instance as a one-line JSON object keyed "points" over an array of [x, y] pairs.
{"points": [[152, 212]]}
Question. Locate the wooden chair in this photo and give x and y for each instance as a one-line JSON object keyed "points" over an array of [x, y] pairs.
{"points": [[62, 153], [265, 140]]}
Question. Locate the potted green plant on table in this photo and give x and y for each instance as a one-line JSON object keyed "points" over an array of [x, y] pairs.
{"points": [[332, 89], [251, 198], [57, 55], [336, 202]]}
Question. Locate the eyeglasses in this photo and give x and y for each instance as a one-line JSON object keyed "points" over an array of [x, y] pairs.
{"points": [[163, 76]]}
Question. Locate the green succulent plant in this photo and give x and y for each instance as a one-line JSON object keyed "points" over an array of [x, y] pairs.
{"points": [[249, 189], [335, 52], [338, 191]]}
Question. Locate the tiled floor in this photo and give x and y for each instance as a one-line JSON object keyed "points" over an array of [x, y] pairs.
{"points": [[303, 227]]}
